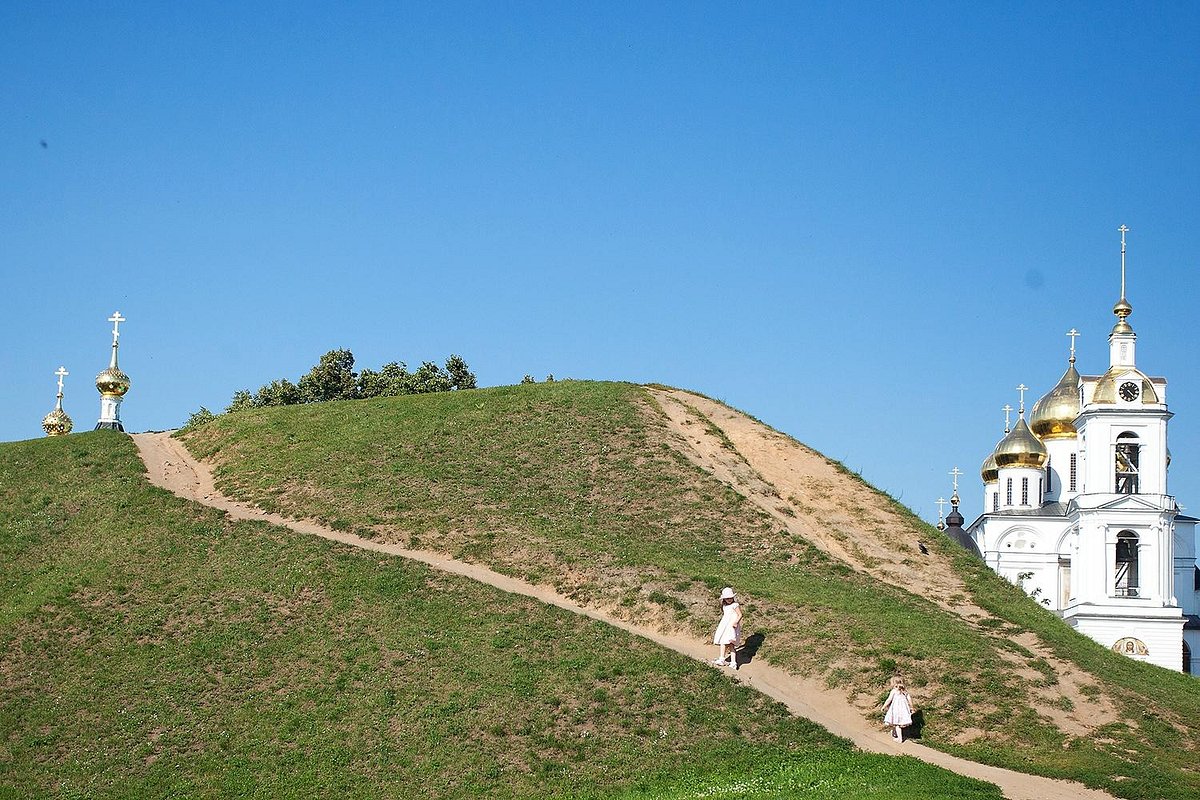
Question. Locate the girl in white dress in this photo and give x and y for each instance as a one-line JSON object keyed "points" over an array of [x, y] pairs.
{"points": [[729, 631], [898, 709]]}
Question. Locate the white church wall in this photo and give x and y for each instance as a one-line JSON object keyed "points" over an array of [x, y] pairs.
{"points": [[1162, 639]]}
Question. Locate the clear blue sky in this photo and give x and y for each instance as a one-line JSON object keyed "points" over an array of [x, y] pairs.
{"points": [[865, 224]]}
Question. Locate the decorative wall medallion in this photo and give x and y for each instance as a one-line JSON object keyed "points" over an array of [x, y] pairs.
{"points": [[1130, 647]]}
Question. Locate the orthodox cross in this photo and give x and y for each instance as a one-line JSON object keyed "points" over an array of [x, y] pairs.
{"points": [[1123, 231], [1022, 389], [941, 503], [116, 319], [61, 373], [954, 473], [1073, 334], [1007, 418]]}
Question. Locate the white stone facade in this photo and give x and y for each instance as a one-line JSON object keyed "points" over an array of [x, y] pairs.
{"points": [[1083, 520]]}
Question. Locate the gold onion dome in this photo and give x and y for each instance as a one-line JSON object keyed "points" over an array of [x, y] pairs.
{"points": [[1122, 309], [1053, 417], [56, 423], [990, 471], [1020, 448], [112, 382]]}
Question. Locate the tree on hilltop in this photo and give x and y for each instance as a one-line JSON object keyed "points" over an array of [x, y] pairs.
{"points": [[461, 376], [333, 378]]}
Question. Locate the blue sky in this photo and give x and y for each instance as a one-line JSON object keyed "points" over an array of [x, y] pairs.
{"points": [[865, 224]]}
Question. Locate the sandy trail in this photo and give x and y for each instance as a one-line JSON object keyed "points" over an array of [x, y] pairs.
{"points": [[169, 465]]}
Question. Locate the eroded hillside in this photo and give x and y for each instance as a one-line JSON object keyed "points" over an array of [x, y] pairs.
{"points": [[644, 501]]}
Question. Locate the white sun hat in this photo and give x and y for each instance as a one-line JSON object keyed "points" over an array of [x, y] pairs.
{"points": [[727, 593]]}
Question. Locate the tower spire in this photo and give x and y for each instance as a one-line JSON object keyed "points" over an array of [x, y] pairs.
{"points": [[1122, 308]]}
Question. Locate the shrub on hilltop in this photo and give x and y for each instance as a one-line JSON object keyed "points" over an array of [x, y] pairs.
{"points": [[333, 378]]}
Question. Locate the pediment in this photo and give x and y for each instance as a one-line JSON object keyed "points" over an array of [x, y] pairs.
{"points": [[1128, 502]]}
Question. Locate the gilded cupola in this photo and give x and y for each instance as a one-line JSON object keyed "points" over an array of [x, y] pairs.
{"points": [[112, 382], [1020, 448], [1053, 417], [57, 423], [990, 471]]}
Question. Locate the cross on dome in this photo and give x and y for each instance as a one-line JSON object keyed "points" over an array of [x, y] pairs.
{"points": [[954, 473], [1074, 334], [61, 372], [116, 319], [1022, 389], [1008, 409]]}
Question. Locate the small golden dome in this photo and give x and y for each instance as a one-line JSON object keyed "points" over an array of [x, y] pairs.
{"points": [[56, 423], [112, 382], [1020, 448], [990, 471], [1053, 417], [1106, 387]]}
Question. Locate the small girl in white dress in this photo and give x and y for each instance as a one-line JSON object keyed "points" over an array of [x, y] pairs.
{"points": [[898, 709], [729, 631]]}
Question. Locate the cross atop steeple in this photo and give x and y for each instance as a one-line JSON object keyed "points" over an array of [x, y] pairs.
{"points": [[1073, 334], [1008, 409], [116, 319], [1022, 389], [954, 473], [61, 372], [1124, 230], [941, 503]]}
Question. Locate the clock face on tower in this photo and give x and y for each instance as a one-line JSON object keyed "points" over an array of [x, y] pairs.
{"points": [[1128, 391]]}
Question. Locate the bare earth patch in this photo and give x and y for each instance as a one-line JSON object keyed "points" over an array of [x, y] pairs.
{"points": [[811, 497]]}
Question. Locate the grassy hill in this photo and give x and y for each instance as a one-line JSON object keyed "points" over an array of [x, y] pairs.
{"points": [[582, 485], [153, 648]]}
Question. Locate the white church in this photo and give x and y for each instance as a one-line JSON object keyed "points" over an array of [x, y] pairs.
{"points": [[1078, 513]]}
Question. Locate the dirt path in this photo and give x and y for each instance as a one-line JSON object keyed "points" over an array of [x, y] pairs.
{"points": [[170, 466]]}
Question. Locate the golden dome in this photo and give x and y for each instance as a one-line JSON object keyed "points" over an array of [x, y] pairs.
{"points": [[1106, 387], [990, 471], [1020, 448], [56, 423], [1053, 417], [112, 382]]}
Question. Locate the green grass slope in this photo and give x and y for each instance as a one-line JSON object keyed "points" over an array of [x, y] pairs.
{"points": [[577, 484], [152, 648]]}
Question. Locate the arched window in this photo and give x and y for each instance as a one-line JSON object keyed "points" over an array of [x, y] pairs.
{"points": [[1008, 492], [1024, 491], [1126, 567], [996, 507], [1127, 464]]}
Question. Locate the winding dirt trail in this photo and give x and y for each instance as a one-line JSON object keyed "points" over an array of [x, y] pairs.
{"points": [[170, 466]]}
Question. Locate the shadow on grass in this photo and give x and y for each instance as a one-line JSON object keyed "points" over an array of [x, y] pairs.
{"points": [[918, 722]]}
